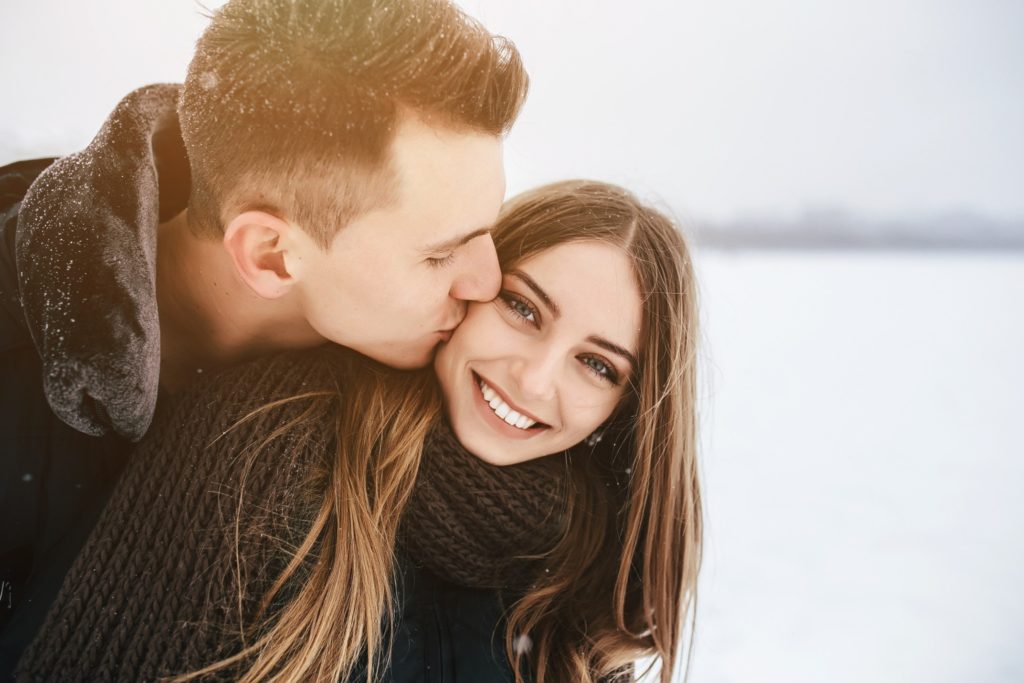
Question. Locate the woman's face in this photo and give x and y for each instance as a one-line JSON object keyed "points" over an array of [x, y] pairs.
{"points": [[543, 365]]}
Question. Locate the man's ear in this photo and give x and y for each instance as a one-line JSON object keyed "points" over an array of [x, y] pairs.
{"points": [[257, 241]]}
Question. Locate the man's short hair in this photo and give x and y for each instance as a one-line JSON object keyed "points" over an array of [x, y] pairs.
{"points": [[290, 106]]}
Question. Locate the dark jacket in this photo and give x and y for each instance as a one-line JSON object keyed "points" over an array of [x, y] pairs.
{"points": [[53, 478], [79, 341], [79, 367]]}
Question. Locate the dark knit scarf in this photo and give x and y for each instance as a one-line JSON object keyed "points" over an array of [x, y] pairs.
{"points": [[491, 515], [155, 590]]}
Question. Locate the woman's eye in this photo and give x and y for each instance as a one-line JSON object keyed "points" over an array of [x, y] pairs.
{"points": [[601, 368], [518, 307]]}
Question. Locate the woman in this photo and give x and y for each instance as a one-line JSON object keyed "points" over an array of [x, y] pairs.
{"points": [[587, 357], [620, 578]]}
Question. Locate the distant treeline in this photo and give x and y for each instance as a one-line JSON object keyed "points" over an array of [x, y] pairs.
{"points": [[839, 230]]}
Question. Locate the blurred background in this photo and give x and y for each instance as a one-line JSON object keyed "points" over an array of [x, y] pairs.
{"points": [[851, 176]]}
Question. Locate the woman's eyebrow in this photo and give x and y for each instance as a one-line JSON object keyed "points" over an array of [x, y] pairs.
{"points": [[616, 349], [541, 294]]}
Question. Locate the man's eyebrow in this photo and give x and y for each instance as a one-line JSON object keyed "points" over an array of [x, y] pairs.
{"points": [[456, 242], [541, 294], [616, 349]]}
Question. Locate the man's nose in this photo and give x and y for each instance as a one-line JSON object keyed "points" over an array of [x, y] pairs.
{"points": [[480, 277]]}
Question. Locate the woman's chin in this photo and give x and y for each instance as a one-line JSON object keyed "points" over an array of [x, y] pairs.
{"points": [[487, 448], [489, 458], [489, 453]]}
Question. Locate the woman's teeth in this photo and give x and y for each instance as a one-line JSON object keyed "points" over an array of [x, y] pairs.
{"points": [[503, 410]]}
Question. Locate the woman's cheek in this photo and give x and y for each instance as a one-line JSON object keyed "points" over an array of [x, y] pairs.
{"points": [[592, 413], [490, 331]]}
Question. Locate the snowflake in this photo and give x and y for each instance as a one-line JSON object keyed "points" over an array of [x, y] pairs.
{"points": [[522, 644]]}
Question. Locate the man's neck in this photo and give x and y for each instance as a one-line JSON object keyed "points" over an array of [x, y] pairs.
{"points": [[209, 317]]}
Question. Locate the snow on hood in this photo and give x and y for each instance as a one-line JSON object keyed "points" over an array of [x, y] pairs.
{"points": [[86, 257]]}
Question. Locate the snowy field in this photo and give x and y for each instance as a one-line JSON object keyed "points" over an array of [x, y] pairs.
{"points": [[863, 470]]}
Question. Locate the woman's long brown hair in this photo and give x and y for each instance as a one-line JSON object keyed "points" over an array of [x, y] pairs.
{"points": [[621, 582], [336, 589]]}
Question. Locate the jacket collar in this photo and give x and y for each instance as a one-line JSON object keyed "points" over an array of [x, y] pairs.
{"points": [[85, 249]]}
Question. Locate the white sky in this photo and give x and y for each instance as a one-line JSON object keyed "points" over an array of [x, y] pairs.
{"points": [[722, 108]]}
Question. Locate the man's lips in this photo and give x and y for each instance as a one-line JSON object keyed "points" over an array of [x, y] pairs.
{"points": [[448, 330]]}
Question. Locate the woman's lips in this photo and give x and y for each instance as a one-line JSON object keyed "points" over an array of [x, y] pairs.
{"points": [[497, 423]]}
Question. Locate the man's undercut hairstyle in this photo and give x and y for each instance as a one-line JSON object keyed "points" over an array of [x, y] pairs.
{"points": [[290, 106]]}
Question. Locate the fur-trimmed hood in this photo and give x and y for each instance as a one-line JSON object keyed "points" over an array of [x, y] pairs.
{"points": [[85, 251]]}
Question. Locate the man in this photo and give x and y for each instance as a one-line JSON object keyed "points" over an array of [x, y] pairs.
{"points": [[343, 166]]}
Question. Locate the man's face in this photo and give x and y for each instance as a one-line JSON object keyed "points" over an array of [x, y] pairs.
{"points": [[395, 281]]}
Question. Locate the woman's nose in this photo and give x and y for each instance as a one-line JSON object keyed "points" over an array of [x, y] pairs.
{"points": [[538, 375]]}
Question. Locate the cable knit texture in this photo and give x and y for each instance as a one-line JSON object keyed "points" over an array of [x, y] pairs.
{"points": [[155, 591], [492, 515]]}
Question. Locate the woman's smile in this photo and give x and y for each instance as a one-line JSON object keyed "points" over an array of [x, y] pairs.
{"points": [[501, 414]]}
